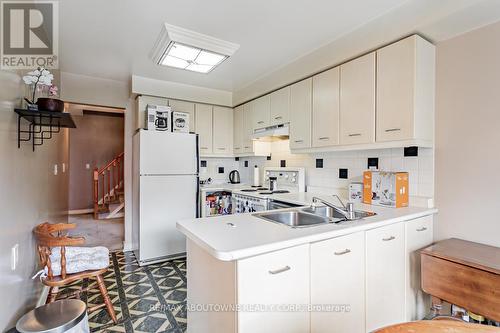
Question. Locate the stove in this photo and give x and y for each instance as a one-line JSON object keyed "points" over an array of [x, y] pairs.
{"points": [[249, 200]]}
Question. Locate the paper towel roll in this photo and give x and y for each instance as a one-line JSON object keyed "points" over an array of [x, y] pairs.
{"points": [[256, 176]]}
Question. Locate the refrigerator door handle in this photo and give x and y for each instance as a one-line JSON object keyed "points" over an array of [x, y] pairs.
{"points": [[198, 199], [197, 156]]}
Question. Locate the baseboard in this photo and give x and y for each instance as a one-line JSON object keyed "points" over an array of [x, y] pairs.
{"points": [[43, 296], [80, 211]]}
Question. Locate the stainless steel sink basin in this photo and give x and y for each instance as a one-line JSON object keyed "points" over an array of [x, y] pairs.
{"points": [[331, 213], [294, 218]]}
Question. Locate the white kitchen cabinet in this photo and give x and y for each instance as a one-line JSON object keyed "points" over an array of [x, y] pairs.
{"points": [[385, 276], [357, 101], [278, 278], [238, 129], [222, 130], [141, 104], [247, 129], [419, 234], [261, 112], [188, 107], [338, 277], [300, 114], [280, 106], [405, 90], [325, 108], [203, 124]]}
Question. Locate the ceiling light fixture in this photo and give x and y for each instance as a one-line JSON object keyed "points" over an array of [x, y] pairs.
{"points": [[185, 49]]}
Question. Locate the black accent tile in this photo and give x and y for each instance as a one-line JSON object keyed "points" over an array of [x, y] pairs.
{"points": [[203, 164], [343, 173], [410, 151], [319, 163], [236, 158], [246, 164], [283, 163], [373, 162], [268, 157], [221, 169]]}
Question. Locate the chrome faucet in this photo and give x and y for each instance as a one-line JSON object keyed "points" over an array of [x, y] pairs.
{"points": [[346, 211]]}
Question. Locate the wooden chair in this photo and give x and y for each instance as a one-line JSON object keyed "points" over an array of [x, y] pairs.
{"points": [[49, 236]]}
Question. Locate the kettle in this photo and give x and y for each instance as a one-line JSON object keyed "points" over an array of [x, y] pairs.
{"points": [[234, 177]]}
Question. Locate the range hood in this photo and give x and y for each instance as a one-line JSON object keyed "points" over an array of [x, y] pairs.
{"points": [[272, 133]]}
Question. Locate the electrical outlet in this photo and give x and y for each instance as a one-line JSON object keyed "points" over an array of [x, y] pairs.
{"points": [[64, 167], [55, 169], [87, 166], [14, 257]]}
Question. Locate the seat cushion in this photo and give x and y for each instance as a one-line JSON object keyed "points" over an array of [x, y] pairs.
{"points": [[79, 259]]}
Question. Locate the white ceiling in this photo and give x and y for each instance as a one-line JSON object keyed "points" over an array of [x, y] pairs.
{"points": [[112, 39]]}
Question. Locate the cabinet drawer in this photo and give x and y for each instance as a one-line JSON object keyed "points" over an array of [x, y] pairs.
{"points": [[385, 276], [338, 277], [278, 278]]}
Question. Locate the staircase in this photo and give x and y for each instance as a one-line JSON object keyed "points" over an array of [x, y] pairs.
{"points": [[108, 195]]}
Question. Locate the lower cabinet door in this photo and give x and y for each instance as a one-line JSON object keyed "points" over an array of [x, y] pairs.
{"points": [[385, 276], [273, 292], [338, 285], [419, 235]]}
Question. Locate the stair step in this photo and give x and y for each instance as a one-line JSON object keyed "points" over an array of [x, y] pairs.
{"points": [[103, 208]]}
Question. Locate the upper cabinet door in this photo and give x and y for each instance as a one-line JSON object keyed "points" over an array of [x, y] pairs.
{"points": [[222, 130], [325, 109], [357, 100], [280, 106], [188, 107], [238, 129], [204, 128], [300, 114], [405, 90], [261, 112], [246, 141]]}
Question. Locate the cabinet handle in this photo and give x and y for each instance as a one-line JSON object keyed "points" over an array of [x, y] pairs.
{"points": [[221, 148], [388, 239], [324, 138], [393, 129], [280, 270], [346, 251], [237, 148], [260, 122], [278, 117], [422, 229], [355, 134], [246, 147], [204, 147], [297, 141]]}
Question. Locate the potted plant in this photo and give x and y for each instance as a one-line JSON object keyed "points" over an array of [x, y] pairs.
{"points": [[42, 78]]}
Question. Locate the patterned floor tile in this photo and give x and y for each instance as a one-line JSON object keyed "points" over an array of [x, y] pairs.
{"points": [[146, 299]]}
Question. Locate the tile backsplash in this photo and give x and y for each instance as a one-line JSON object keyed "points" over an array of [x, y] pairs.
{"points": [[215, 165], [420, 168]]}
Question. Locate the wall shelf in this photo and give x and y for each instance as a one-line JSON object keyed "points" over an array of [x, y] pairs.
{"points": [[41, 125]]}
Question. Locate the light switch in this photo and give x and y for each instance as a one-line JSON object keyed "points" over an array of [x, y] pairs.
{"points": [[64, 167], [55, 169], [87, 166]]}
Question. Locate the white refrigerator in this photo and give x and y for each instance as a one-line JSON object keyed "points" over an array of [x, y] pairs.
{"points": [[166, 190]]}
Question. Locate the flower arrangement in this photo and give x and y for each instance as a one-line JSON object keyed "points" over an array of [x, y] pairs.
{"points": [[39, 77]]}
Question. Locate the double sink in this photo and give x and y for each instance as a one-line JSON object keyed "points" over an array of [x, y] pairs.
{"points": [[311, 216]]}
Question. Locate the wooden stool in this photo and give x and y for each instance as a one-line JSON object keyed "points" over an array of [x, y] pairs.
{"points": [[49, 236], [438, 326]]}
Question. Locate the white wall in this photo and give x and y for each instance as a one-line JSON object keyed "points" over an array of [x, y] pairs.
{"points": [[212, 169], [84, 89], [467, 136], [147, 86], [421, 168], [29, 194]]}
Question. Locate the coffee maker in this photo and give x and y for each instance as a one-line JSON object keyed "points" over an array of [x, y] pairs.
{"points": [[162, 120]]}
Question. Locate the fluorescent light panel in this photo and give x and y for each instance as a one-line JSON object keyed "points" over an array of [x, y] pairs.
{"points": [[185, 49], [191, 58]]}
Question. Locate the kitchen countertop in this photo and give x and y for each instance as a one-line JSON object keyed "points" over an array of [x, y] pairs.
{"points": [[223, 186], [239, 236]]}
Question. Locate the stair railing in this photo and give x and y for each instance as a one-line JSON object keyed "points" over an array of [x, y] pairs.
{"points": [[109, 179]]}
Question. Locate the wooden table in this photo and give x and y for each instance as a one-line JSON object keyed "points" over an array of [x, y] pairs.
{"points": [[463, 273], [438, 326]]}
